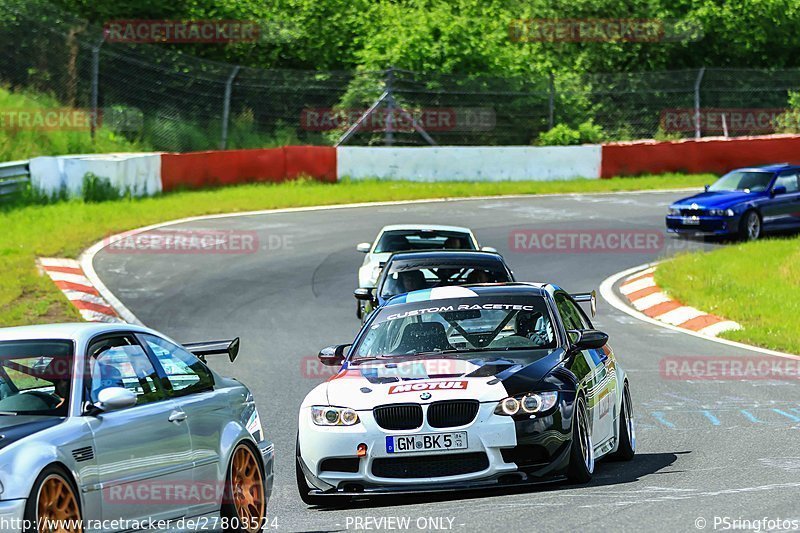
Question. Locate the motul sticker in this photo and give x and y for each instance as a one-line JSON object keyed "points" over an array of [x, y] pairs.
{"points": [[435, 385]]}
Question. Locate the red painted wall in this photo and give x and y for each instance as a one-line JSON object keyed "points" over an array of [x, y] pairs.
{"points": [[703, 155], [204, 169]]}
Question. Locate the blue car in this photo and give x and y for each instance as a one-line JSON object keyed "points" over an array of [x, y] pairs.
{"points": [[743, 203]]}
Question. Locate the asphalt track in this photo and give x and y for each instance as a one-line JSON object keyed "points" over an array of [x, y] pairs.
{"points": [[708, 449]]}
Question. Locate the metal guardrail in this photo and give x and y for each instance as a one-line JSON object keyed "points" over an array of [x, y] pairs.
{"points": [[13, 176]]}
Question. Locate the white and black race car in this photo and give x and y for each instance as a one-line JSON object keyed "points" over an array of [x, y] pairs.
{"points": [[465, 387]]}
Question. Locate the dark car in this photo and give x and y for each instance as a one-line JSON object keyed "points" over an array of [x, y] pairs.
{"points": [[743, 203], [471, 388], [413, 271]]}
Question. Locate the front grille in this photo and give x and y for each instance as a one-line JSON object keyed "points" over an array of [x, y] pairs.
{"points": [[692, 212], [399, 416], [451, 413], [340, 464], [451, 464]]}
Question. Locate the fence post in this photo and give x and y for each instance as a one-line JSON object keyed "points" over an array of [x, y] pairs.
{"points": [[388, 135], [552, 103], [95, 95], [226, 107], [697, 132]]}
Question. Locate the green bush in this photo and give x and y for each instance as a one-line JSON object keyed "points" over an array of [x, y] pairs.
{"points": [[98, 189], [563, 135]]}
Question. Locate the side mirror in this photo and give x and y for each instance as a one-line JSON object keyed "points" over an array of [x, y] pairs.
{"points": [[587, 339], [706, 187], [364, 294], [488, 249], [779, 189], [363, 247], [114, 398], [333, 355]]}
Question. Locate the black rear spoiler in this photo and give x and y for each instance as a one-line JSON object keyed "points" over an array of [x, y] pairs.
{"points": [[202, 349], [591, 297]]}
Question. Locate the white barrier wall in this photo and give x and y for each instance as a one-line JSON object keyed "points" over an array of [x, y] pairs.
{"points": [[139, 174], [470, 163]]}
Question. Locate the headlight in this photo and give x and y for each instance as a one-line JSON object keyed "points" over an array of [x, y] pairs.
{"points": [[325, 415], [534, 402], [721, 212], [673, 211]]}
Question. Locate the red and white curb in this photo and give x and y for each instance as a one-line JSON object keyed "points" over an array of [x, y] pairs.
{"points": [[68, 276], [646, 297]]}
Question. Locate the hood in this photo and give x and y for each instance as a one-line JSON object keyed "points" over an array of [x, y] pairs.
{"points": [[716, 200], [14, 428], [484, 378]]}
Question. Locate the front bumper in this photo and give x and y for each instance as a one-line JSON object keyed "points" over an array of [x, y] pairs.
{"points": [[11, 516], [702, 225], [500, 450]]}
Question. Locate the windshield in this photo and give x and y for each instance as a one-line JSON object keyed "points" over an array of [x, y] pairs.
{"points": [[742, 181], [405, 240], [35, 377], [459, 325], [407, 276]]}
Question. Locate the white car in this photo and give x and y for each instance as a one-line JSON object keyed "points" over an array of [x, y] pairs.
{"points": [[409, 237], [465, 387]]}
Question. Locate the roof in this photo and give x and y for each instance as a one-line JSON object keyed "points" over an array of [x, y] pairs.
{"points": [[775, 167], [449, 255], [472, 291], [70, 331], [433, 227]]}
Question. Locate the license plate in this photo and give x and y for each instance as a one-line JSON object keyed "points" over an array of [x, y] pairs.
{"points": [[427, 442], [690, 221]]}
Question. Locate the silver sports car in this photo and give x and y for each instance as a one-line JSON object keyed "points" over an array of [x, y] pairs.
{"points": [[115, 427]]}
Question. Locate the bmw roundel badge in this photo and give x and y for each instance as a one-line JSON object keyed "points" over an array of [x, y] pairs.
{"points": [[425, 396]]}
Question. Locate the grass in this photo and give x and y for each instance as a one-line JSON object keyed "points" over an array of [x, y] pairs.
{"points": [[64, 229], [756, 284], [24, 143]]}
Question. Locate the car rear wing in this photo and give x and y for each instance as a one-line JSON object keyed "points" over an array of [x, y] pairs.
{"points": [[203, 349], [583, 297]]}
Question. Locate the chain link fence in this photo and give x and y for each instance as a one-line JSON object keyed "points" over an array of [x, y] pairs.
{"points": [[170, 101]]}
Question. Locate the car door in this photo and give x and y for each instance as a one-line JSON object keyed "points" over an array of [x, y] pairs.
{"points": [[784, 208], [599, 387], [143, 452], [191, 385]]}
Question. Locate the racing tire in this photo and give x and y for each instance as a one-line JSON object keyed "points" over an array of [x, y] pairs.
{"points": [[626, 431], [581, 456], [244, 504], [750, 226], [54, 498]]}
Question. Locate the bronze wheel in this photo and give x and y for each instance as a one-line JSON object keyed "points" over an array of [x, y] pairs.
{"points": [[57, 508], [246, 484]]}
